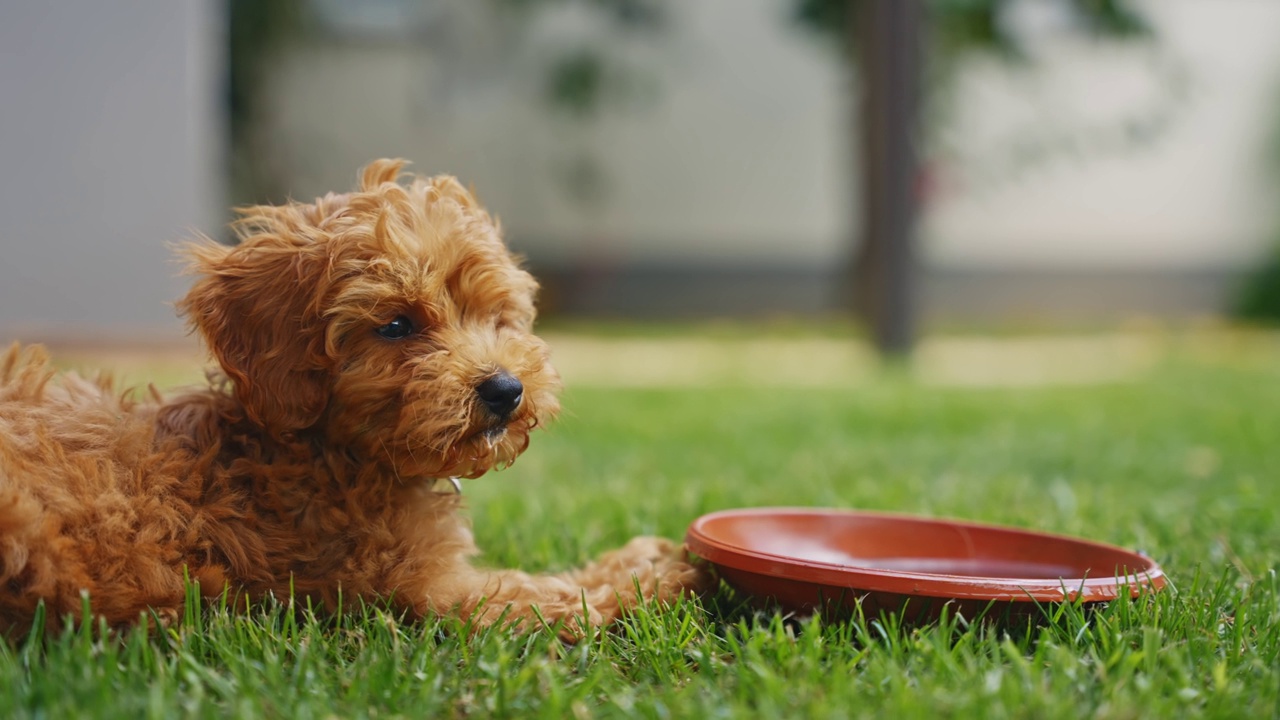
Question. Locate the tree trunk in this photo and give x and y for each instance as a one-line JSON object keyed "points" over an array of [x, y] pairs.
{"points": [[887, 39]]}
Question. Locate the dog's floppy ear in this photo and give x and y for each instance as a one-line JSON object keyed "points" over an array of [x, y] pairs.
{"points": [[257, 305]]}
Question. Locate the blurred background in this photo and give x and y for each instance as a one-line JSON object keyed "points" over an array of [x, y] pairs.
{"points": [[1044, 164]]}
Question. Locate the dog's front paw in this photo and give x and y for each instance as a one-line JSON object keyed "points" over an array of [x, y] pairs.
{"points": [[660, 567]]}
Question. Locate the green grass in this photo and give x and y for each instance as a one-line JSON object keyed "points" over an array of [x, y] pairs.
{"points": [[1182, 462]]}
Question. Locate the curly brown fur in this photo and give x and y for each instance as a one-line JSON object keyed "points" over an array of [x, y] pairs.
{"points": [[310, 463]]}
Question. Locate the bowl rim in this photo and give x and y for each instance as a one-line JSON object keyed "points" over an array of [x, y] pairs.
{"points": [[1147, 574]]}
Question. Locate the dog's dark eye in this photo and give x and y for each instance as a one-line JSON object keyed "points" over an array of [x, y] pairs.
{"points": [[397, 329]]}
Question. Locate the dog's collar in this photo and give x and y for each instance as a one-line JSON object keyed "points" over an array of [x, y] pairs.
{"points": [[447, 486]]}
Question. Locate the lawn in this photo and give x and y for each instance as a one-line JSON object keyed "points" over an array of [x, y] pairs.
{"points": [[1176, 455]]}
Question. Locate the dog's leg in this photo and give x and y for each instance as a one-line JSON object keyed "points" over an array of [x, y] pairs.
{"points": [[583, 599], [656, 567]]}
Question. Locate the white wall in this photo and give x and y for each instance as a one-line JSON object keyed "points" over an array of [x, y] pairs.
{"points": [[1199, 196], [742, 156], [110, 147], [739, 156]]}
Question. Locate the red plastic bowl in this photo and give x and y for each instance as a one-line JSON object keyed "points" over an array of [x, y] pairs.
{"points": [[809, 559]]}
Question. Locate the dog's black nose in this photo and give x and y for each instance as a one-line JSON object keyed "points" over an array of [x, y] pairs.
{"points": [[501, 393]]}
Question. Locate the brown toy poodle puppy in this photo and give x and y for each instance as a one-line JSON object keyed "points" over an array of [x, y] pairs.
{"points": [[373, 345]]}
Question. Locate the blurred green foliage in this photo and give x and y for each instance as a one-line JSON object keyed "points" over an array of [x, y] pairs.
{"points": [[583, 78], [1259, 298], [580, 81], [962, 25], [256, 29]]}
